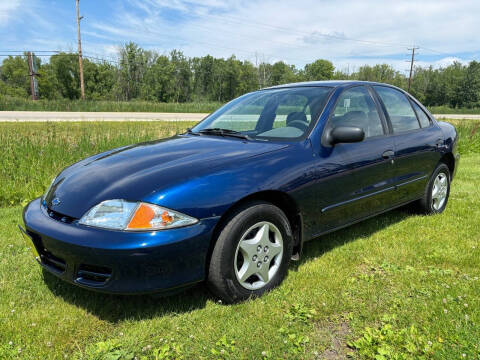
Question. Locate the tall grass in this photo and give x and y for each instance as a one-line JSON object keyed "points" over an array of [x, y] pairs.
{"points": [[17, 104], [448, 110], [33, 153], [469, 135]]}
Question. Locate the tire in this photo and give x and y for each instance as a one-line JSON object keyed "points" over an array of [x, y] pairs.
{"points": [[432, 203], [252, 253]]}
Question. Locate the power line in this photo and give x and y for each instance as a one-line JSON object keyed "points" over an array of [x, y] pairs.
{"points": [[58, 53], [290, 30]]}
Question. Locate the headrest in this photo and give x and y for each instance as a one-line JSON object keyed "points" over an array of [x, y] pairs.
{"points": [[298, 115]]}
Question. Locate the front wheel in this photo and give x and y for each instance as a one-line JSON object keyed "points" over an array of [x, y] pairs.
{"points": [[437, 192], [252, 253]]}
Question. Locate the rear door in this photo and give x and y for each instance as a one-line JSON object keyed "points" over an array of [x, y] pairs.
{"points": [[416, 140], [362, 182]]}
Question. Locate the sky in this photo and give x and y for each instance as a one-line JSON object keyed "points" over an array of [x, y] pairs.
{"points": [[350, 33]]}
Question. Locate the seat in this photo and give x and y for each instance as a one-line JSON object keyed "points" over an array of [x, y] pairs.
{"points": [[297, 119]]}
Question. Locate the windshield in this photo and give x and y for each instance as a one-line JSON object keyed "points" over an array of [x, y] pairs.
{"points": [[279, 113]]}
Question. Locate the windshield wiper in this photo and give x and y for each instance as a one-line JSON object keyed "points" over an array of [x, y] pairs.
{"points": [[189, 131], [224, 132]]}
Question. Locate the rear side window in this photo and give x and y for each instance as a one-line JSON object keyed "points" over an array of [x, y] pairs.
{"points": [[399, 110], [422, 117]]}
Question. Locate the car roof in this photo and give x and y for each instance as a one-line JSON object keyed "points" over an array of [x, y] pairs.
{"points": [[330, 83]]}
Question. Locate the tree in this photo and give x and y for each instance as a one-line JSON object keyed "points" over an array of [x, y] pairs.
{"points": [[470, 88], [14, 75], [380, 73], [142, 74], [319, 70], [134, 62], [99, 79], [64, 68], [159, 81], [282, 73], [181, 76]]}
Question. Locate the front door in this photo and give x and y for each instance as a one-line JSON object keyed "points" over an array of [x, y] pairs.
{"points": [[363, 183]]}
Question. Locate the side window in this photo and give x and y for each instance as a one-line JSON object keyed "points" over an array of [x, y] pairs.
{"points": [[399, 109], [422, 117], [355, 107]]}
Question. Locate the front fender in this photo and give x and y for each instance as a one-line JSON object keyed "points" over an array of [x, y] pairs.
{"points": [[210, 195]]}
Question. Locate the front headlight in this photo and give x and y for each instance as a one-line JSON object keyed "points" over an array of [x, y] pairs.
{"points": [[134, 216]]}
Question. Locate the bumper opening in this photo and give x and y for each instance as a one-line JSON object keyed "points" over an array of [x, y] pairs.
{"points": [[53, 262], [92, 275]]}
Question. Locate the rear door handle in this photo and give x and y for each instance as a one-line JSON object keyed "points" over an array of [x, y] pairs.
{"points": [[388, 154]]}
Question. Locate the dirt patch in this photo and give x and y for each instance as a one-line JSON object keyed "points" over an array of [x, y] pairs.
{"points": [[335, 335]]}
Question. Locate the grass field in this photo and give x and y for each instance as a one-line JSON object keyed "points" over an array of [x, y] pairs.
{"points": [[398, 286], [17, 104], [33, 153], [449, 110]]}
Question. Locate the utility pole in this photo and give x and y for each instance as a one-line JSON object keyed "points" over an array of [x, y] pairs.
{"points": [[31, 73], [411, 66], [80, 62]]}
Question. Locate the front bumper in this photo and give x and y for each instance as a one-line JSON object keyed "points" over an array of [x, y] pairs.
{"points": [[119, 261]]}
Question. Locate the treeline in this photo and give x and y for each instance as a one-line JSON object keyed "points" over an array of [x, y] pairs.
{"points": [[141, 74]]}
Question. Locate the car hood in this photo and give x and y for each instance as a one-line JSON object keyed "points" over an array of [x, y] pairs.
{"points": [[133, 172]]}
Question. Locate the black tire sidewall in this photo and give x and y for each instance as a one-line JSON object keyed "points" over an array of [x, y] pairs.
{"points": [[230, 237]]}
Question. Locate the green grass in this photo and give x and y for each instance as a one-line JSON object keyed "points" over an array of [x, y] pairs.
{"points": [[33, 153], [399, 285], [18, 104], [448, 110]]}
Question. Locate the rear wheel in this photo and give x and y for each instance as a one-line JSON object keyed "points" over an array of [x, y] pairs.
{"points": [[437, 192], [251, 254]]}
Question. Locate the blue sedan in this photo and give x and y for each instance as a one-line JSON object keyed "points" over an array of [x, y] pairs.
{"points": [[232, 201]]}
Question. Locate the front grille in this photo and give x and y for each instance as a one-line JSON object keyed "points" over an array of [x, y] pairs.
{"points": [[60, 217], [93, 275]]}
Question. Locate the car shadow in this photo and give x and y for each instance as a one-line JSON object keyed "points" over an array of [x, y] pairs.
{"points": [[115, 308], [325, 243]]}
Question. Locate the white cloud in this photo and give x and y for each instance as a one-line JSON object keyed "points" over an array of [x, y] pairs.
{"points": [[8, 9], [347, 32], [350, 33]]}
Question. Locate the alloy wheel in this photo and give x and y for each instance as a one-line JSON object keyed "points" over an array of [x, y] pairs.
{"points": [[259, 255], [439, 191]]}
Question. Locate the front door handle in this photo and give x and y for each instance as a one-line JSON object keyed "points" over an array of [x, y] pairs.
{"points": [[388, 154]]}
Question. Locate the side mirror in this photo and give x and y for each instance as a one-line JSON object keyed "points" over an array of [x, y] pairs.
{"points": [[345, 134]]}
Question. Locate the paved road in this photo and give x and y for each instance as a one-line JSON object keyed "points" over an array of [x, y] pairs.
{"points": [[457, 116], [27, 116]]}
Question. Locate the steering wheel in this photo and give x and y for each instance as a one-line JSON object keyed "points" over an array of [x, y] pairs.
{"points": [[299, 124]]}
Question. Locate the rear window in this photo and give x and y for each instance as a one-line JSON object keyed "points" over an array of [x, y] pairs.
{"points": [[422, 117], [399, 110]]}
